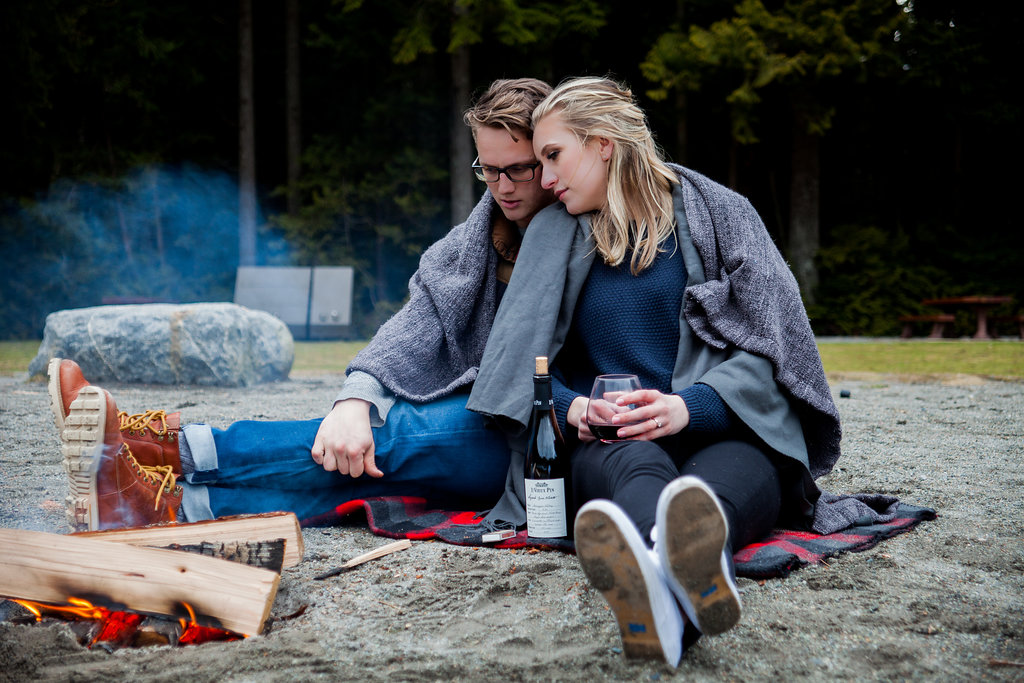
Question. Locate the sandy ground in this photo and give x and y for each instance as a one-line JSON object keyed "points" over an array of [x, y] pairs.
{"points": [[943, 602]]}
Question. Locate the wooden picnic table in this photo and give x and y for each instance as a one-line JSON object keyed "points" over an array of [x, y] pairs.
{"points": [[981, 305]]}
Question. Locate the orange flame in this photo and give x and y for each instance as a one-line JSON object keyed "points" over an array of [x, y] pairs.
{"points": [[194, 634], [120, 627], [77, 607]]}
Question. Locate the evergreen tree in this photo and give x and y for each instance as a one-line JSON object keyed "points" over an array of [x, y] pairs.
{"points": [[807, 49]]}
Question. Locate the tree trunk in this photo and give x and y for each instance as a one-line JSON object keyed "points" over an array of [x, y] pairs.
{"points": [[461, 152], [158, 222], [126, 240], [804, 209], [246, 140], [294, 104], [381, 277], [682, 132], [734, 164]]}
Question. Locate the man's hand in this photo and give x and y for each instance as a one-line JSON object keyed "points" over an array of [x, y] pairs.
{"points": [[344, 441]]}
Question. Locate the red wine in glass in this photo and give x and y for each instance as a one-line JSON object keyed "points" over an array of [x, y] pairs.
{"points": [[602, 407]]}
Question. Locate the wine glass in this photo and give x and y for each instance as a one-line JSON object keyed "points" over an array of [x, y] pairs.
{"points": [[601, 406]]}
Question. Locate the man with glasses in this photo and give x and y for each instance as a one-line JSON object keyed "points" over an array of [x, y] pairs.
{"points": [[411, 356], [399, 425]]}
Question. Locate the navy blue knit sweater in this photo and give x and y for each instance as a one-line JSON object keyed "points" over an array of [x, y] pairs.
{"points": [[627, 323]]}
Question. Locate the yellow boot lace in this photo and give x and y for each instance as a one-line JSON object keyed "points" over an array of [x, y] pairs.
{"points": [[160, 474], [140, 421]]}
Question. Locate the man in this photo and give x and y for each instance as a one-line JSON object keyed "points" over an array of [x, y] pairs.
{"points": [[403, 400]]}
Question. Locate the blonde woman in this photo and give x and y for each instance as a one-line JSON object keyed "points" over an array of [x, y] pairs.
{"points": [[659, 272]]}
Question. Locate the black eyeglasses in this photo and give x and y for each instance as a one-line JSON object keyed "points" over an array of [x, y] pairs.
{"points": [[520, 173]]}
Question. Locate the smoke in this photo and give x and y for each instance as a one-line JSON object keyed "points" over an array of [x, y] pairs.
{"points": [[159, 233]]}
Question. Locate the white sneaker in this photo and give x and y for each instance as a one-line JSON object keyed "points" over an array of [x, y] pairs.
{"points": [[617, 563], [692, 533]]}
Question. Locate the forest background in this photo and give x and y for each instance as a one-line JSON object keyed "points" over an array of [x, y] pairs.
{"points": [[153, 147]]}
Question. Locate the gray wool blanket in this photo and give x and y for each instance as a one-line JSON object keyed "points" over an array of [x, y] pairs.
{"points": [[749, 300], [433, 345]]}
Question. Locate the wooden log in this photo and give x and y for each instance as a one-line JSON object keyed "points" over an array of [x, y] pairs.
{"points": [[240, 528], [53, 567], [265, 554]]}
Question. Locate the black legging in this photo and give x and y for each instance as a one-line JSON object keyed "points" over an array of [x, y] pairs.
{"points": [[633, 473]]}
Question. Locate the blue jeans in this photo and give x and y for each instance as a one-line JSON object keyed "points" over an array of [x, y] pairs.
{"points": [[437, 450]]}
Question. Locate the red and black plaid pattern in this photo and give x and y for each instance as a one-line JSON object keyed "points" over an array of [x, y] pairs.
{"points": [[780, 553]]}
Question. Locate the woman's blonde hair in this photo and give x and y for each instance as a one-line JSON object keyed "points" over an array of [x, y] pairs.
{"points": [[638, 214]]}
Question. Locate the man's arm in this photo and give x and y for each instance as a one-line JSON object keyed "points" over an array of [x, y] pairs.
{"points": [[433, 344], [365, 387], [439, 334], [344, 441]]}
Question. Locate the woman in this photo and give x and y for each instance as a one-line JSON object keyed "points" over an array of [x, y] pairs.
{"points": [[687, 291]]}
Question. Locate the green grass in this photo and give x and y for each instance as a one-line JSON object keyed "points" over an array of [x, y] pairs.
{"points": [[987, 358], [991, 359], [325, 356], [309, 356], [16, 355]]}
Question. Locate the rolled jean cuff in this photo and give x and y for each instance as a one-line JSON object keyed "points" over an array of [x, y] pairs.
{"points": [[199, 438], [195, 502]]}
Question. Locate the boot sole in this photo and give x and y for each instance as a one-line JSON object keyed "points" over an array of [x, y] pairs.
{"points": [[82, 445], [610, 564], [56, 403], [695, 535]]}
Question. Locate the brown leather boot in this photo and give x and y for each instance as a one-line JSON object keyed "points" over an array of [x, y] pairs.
{"points": [[109, 489], [65, 381], [152, 436]]}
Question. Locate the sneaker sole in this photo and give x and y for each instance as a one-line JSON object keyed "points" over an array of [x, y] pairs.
{"points": [[696, 534], [81, 444], [610, 565], [56, 404]]}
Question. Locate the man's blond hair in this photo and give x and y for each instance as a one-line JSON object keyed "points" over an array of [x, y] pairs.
{"points": [[508, 104]]}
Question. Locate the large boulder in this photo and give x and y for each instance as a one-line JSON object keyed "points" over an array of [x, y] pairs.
{"points": [[218, 344]]}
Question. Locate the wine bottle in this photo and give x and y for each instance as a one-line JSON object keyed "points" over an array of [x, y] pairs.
{"points": [[548, 481]]}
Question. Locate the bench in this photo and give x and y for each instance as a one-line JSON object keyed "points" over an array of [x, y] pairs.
{"points": [[938, 321], [1017, 320], [979, 304]]}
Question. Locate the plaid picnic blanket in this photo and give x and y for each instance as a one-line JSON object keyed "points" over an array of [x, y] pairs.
{"points": [[776, 556]]}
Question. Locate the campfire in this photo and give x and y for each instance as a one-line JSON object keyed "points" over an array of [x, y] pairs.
{"points": [[175, 584], [113, 629]]}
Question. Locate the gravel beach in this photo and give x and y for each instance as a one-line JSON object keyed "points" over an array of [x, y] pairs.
{"points": [[942, 602]]}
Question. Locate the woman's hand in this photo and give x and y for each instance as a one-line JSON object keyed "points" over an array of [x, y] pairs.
{"points": [[657, 416], [577, 417]]}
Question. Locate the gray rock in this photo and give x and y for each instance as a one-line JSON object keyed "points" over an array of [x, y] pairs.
{"points": [[218, 344]]}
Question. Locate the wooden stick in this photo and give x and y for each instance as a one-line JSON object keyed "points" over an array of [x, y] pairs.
{"points": [[53, 567], [1005, 662], [240, 528], [366, 557]]}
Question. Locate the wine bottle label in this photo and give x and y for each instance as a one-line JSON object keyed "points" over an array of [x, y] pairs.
{"points": [[545, 508]]}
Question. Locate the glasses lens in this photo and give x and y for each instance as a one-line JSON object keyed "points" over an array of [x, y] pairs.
{"points": [[519, 174]]}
